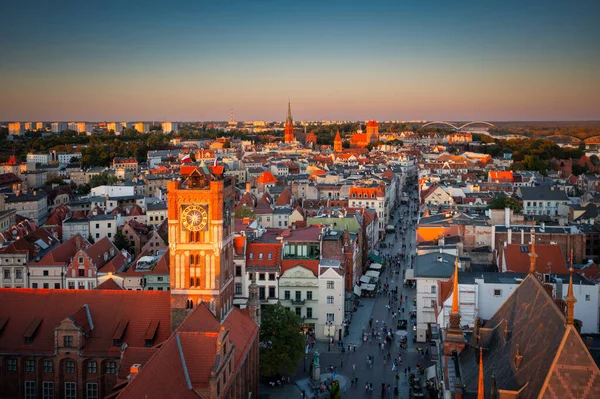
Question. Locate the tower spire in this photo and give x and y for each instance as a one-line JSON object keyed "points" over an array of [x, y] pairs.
{"points": [[455, 292], [532, 254], [289, 114], [570, 299], [480, 386]]}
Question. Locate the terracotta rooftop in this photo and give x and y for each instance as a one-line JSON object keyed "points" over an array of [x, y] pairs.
{"points": [[550, 258]]}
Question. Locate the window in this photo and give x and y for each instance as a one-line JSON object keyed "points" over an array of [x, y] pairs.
{"points": [[70, 366], [109, 225], [45, 272], [70, 390], [251, 255], [6, 274], [80, 260], [47, 390], [330, 300], [261, 276], [238, 271], [433, 289], [271, 292], [261, 293], [92, 367], [298, 312], [269, 256], [238, 289], [47, 366], [18, 274], [97, 225], [587, 298], [30, 390], [71, 285], [331, 317], [91, 390], [309, 295], [271, 276], [287, 295], [81, 272], [260, 256], [11, 364], [30, 365], [298, 295], [309, 313], [68, 341], [111, 368], [497, 292], [57, 286], [330, 284], [34, 285], [46, 285]]}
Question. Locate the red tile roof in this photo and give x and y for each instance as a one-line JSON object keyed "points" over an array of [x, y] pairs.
{"points": [[106, 307], [550, 258], [266, 178], [62, 254], [501, 176], [285, 198], [133, 356]]}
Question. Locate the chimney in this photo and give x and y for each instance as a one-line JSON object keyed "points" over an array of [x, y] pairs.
{"points": [[543, 227], [248, 187], [522, 236], [134, 369], [507, 217], [589, 341], [510, 236], [439, 258]]}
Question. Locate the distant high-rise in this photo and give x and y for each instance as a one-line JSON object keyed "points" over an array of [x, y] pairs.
{"points": [[117, 127], [58, 127], [142, 127], [288, 136], [15, 128], [170, 127]]}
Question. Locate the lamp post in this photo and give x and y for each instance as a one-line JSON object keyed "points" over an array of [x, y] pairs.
{"points": [[329, 324]]}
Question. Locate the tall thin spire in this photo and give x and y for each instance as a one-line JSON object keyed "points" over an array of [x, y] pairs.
{"points": [[289, 114], [532, 254], [480, 386], [455, 292], [570, 299]]}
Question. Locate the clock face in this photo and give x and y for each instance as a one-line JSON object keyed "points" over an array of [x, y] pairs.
{"points": [[194, 217]]}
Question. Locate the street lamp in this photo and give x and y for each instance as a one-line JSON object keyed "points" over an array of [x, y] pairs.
{"points": [[329, 324]]}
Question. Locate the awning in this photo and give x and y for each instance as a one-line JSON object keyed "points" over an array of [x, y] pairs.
{"points": [[374, 257], [365, 279], [390, 227], [372, 273], [375, 266], [410, 274], [357, 290], [430, 372], [368, 287]]}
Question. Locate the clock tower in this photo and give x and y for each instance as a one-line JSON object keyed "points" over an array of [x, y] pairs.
{"points": [[201, 241]]}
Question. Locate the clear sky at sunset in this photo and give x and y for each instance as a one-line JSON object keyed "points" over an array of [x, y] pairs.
{"points": [[194, 60]]}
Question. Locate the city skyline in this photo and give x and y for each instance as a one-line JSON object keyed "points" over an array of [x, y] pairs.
{"points": [[339, 61]]}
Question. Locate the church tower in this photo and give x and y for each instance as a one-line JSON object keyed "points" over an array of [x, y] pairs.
{"points": [[201, 241], [337, 143], [372, 132], [288, 135]]}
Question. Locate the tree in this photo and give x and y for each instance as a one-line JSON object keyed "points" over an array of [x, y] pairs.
{"points": [[121, 242], [103, 179], [502, 201], [55, 180], [244, 212], [281, 344]]}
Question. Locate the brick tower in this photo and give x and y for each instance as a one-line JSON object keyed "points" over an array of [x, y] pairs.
{"points": [[201, 241], [288, 136], [372, 132], [337, 143]]}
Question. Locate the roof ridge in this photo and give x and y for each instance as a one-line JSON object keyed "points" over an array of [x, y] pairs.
{"points": [[183, 363]]}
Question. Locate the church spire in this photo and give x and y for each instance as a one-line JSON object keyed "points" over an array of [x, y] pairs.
{"points": [[532, 254], [494, 394], [570, 299], [289, 114], [455, 292], [480, 386]]}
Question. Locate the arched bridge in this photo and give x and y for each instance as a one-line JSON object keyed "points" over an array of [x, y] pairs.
{"points": [[458, 128], [592, 140], [559, 138]]}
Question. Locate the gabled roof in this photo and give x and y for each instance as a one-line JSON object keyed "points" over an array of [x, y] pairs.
{"points": [[109, 284], [99, 252], [285, 198], [62, 254], [550, 349], [266, 178]]}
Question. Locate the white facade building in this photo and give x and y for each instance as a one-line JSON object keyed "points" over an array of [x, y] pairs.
{"points": [[38, 158], [299, 289], [170, 127], [331, 300], [103, 226]]}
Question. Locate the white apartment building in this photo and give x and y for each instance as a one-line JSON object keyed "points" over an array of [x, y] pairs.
{"points": [[74, 226], [58, 127], [299, 289], [64, 158], [113, 191], [429, 270], [38, 158], [542, 200], [13, 269], [103, 226], [372, 198], [330, 323], [30, 205], [15, 128]]}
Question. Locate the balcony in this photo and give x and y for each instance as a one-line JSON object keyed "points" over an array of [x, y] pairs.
{"points": [[308, 319], [298, 302]]}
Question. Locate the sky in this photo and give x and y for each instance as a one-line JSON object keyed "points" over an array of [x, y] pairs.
{"points": [[334, 60]]}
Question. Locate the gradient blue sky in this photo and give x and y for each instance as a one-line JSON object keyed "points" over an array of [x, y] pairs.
{"points": [[176, 60]]}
